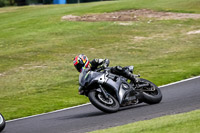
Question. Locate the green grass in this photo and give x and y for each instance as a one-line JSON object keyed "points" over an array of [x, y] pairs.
{"points": [[179, 123], [36, 50]]}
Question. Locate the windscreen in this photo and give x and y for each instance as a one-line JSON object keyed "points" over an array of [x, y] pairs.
{"points": [[86, 76]]}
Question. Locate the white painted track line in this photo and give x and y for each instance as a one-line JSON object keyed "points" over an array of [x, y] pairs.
{"points": [[90, 103], [179, 81], [49, 112]]}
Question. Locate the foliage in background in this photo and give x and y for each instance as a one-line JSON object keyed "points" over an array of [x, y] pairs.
{"points": [[37, 2], [7, 3], [2, 3]]}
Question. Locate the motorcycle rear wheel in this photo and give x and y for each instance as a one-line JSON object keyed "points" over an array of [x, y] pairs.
{"points": [[2, 122], [109, 105], [153, 96]]}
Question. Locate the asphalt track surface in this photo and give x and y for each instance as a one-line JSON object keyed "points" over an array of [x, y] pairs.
{"points": [[177, 98]]}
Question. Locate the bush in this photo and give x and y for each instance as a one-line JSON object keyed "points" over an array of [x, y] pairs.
{"points": [[7, 3], [2, 3]]}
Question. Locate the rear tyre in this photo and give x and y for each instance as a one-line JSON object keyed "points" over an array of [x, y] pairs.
{"points": [[151, 94], [2, 123], [109, 105]]}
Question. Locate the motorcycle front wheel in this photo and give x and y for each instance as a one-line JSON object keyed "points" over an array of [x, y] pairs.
{"points": [[109, 105], [2, 122]]}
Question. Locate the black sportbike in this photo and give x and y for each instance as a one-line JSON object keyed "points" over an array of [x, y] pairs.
{"points": [[108, 92], [2, 122]]}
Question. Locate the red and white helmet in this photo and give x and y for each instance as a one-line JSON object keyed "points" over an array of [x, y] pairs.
{"points": [[81, 62]]}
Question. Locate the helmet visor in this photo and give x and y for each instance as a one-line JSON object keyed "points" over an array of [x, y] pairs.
{"points": [[78, 67]]}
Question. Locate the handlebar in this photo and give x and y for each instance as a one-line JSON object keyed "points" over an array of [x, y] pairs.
{"points": [[99, 69]]}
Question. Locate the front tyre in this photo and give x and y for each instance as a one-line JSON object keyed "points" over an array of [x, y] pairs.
{"points": [[151, 94], [2, 123], [109, 105]]}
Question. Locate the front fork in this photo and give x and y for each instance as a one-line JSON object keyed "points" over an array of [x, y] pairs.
{"points": [[104, 92]]}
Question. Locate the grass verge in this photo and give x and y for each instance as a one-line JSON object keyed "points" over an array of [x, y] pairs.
{"points": [[179, 123]]}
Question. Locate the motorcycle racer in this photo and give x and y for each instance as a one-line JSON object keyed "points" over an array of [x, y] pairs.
{"points": [[82, 62], [107, 91]]}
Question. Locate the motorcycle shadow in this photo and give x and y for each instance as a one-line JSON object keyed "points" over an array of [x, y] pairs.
{"points": [[132, 106], [100, 113], [84, 115]]}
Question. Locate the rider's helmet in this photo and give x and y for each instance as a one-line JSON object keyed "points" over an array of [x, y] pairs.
{"points": [[81, 62]]}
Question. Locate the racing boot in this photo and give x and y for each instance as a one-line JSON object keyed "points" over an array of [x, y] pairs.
{"points": [[129, 75], [124, 72]]}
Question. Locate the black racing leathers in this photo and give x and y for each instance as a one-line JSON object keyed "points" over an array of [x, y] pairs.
{"points": [[95, 63], [123, 71]]}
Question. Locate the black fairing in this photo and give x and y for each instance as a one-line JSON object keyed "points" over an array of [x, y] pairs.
{"points": [[118, 86], [87, 77], [113, 84]]}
